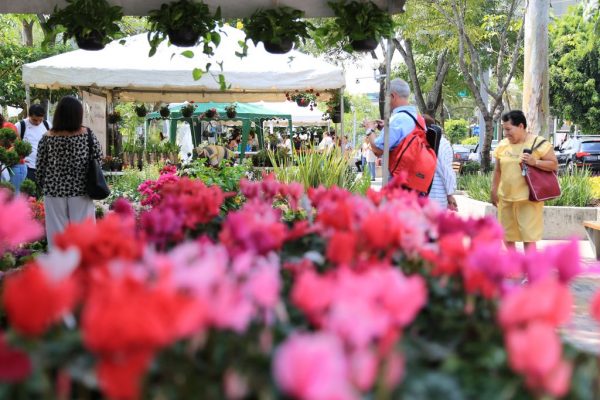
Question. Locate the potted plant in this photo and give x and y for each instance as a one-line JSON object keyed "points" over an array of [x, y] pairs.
{"points": [[185, 23], [231, 110], [114, 117], [334, 111], [358, 25], [303, 99], [91, 22], [165, 112], [140, 110], [278, 28], [210, 113], [187, 110]]}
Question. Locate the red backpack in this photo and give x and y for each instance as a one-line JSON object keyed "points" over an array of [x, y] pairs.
{"points": [[415, 156]]}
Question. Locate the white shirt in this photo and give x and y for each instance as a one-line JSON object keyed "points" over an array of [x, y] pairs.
{"points": [[444, 180], [326, 143], [370, 156], [33, 135]]}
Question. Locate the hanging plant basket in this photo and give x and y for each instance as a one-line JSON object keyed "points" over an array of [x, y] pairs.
{"points": [[210, 113], [231, 114], [183, 37], [279, 48], [114, 118], [141, 111], [165, 112], [92, 41], [302, 102], [186, 113], [336, 117], [363, 44]]}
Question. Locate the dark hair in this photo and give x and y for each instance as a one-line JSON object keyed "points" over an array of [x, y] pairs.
{"points": [[68, 115], [2, 120], [36, 110], [516, 117]]}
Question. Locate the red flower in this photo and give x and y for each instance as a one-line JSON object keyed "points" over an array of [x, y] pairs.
{"points": [[120, 375], [15, 365], [342, 247], [33, 301]]}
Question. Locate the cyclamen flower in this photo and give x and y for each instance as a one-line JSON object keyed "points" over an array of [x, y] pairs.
{"points": [[310, 367], [150, 190], [15, 365], [34, 300], [18, 225]]}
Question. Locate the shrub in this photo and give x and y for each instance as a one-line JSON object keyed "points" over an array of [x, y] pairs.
{"points": [[470, 167], [456, 130], [472, 141]]}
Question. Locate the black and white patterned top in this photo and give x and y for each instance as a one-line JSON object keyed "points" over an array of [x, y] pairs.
{"points": [[62, 164]]}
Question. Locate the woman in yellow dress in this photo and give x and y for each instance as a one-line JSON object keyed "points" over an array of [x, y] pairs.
{"points": [[521, 218]]}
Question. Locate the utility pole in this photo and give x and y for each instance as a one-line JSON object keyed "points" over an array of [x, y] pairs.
{"points": [[536, 85]]}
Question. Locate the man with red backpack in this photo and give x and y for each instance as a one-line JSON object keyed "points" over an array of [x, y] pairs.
{"points": [[410, 151]]}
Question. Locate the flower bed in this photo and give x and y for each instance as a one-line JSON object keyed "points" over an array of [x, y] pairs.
{"points": [[311, 294]]}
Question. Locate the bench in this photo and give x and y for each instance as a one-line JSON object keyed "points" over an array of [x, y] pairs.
{"points": [[456, 166], [592, 229]]}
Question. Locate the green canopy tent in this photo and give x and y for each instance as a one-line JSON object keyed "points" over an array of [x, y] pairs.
{"points": [[246, 113]]}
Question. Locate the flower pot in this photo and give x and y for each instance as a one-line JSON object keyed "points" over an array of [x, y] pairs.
{"points": [[187, 113], [183, 37], [165, 112], [336, 117], [117, 166], [303, 102], [209, 114], [279, 48], [231, 114], [92, 41], [363, 44], [113, 119], [141, 112]]}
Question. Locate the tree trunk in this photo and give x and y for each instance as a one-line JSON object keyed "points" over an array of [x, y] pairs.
{"points": [[27, 32], [536, 105], [489, 136], [382, 71]]}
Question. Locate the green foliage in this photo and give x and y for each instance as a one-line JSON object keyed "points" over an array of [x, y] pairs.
{"points": [[12, 59], [470, 167], [225, 176], [354, 20], [576, 189], [334, 104], [7, 185], [456, 129], [193, 16], [470, 141], [277, 25], [126, 185], [82, 18], [22, 148], [314, 168], [29, 188], [574, 70]]}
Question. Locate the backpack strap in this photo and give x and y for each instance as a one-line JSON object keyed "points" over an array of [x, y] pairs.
{"points": [[413, 118], [22, 126], [47, 125]]}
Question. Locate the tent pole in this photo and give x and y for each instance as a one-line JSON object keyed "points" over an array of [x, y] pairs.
{"points": [[341, 135], [27, 98], [386, 135]]}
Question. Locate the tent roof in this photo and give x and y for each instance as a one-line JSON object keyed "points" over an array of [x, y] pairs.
{"points": [[301, 116], [230, 8], [244, 110], [167, 76]]}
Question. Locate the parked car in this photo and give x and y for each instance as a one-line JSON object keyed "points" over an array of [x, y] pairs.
{"points": [[579, 152], [476, 157], [461, 153]]}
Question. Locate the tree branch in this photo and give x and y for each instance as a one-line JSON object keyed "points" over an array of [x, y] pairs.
{"points": [[407, 55]]}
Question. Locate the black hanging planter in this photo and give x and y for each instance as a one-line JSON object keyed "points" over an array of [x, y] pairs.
{"points": [[231, 114], [302, 102], [364, 44], [92, 41], [141, 111], [279, 48], [183, 37], [165, 112], [336, 118], [187, 113]]}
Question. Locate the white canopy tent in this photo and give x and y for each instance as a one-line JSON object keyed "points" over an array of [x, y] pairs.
{"points": [[129, 74], [301, 116]]}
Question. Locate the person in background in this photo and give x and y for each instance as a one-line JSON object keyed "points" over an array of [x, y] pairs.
{"points": [[444, 180], [522, 219], [363, 151], [327, 142], [370, 157], [236, 138], [5, 124], [31, 130], [62, 164]]}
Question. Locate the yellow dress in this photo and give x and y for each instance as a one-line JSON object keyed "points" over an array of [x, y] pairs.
{"points": [[521, 219]]}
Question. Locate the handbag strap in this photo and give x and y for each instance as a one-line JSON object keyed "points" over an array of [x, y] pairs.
{"points": [[90, 144], [534, 147]]}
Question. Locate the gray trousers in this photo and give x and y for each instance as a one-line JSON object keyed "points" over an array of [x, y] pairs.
{"points": [[60, 211]]}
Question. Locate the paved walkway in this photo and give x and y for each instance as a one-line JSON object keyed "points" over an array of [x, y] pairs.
{"points": [[583, 332]]}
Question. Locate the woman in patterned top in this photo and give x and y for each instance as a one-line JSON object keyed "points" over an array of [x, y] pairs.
{"points": [[62, 163]]}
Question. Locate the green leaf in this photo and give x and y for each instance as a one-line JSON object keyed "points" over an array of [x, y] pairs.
{"points": [[188, 54], [197, 73]]}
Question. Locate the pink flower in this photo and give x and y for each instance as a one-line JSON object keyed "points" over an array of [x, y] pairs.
{"points": [[18, 225], [534, 350], [263, 283], [364, 365], [312, 293], [15, 365], [312, 367]]}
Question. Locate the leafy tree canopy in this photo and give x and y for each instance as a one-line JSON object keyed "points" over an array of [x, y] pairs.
{"points": [[575, 69]]}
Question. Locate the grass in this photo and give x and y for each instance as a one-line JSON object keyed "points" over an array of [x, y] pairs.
{"points": [[578, 190], [126, 185], [314, 168]]}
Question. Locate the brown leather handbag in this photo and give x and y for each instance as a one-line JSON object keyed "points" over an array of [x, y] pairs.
{"points": [[543, 185]]}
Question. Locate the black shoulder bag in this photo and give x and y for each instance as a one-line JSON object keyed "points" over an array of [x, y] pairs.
{"points": [[95, 185]]}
